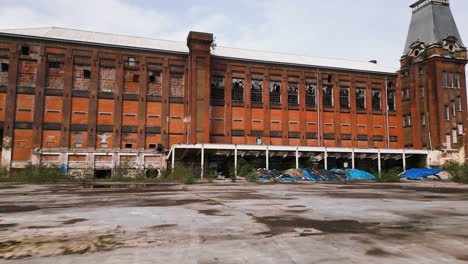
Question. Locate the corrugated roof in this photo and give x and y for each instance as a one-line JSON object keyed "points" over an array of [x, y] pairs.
{"points": [[74, 35]]}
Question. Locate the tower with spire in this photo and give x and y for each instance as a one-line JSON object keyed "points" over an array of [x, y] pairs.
{"points": [[433, 80]]}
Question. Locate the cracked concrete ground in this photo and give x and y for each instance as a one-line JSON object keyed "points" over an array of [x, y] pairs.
{"points": [[417, 222]]}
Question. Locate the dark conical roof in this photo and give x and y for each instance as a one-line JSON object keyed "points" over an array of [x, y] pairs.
{"points": [[432, 22]]}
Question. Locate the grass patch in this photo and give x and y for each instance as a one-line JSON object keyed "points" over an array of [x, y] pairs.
{"points": [[458, 171], [392, 175], [35, 174], [68, 251]]}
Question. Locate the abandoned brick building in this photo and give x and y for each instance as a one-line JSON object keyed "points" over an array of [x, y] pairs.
{"points": [[83, 99]]}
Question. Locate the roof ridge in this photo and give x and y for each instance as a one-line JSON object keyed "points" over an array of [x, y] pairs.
{"points": [[294, 54]]}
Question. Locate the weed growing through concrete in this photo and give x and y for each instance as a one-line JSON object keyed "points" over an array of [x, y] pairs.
{"points": [[458, 171]]}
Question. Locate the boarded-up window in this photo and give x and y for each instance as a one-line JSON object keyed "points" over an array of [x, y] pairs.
{"points": [[176, 85], [107, 79]]}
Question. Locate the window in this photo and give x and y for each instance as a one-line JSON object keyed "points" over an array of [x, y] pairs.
{"points": [[128, 145], [460, 129], [78, 145], [327, 96], [459, 104], [457, 80], [256, 91], [391, 101], [25, 50], [344, 97], [408, 121], [421, 91], [361, 99], [104, 144], [152, 146], [217, 88], [5, 67], [454, 136], [136, 78], [237, 90], [131, 61], [450, 80], [87, 74], [54, 65], [453, 108], [376, 100], [423, 119], [444, 79], [293, 94], [275, 92], [405, 93], [311, 92], [447, 112], [152, 79]]}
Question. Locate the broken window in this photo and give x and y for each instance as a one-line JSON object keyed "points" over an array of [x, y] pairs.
{"points": [[361, 99], [423, 119], [391, 102], [450, 80], [131, 62], [5, 67], [293, 94], [275, 92], [344, 97], [459, 104], [444, 79], [87, 74], [376, 100], [217, 89], [237, 90], [152, 146], [311, 93], [176, 86], [154, 83], [457, 80], [328, 95], [407, 120], [128, 145], [25, 50], [453, 108], [256, 92], [447, 112], [405, 93]]}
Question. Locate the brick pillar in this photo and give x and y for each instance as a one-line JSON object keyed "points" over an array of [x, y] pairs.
{"points": [[302, 109], [10, 106], [266, 107], [93, 101], [200, 73], [370, 119], [118, 103], [285, 108], [141, 141], [248, 105], [228, 106], [165, 104], [67, 100], [38, 115]]}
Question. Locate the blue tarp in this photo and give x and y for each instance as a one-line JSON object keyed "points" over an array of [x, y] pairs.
{"points": [[413, 174], [355, 174]]}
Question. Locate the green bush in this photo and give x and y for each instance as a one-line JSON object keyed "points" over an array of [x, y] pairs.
{"points": [[392, 175], [244, 168], [458, 171], [40, 173], [251, 177], [183, 174], [232, 175]]}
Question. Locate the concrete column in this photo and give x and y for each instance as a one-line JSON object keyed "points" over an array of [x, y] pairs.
{"points": [[202, 162], [173, 159], [404, 161], [297, 157], [379, 163], [353, 162], [325, 158], [235, 160], [267, 157]]}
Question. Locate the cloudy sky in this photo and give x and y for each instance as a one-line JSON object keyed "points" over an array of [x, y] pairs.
{"points": [[346, 29]]}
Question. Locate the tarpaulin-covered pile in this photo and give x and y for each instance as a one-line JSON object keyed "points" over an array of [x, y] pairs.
{"points": [[425, 175], [264, 174], [355, 174]]}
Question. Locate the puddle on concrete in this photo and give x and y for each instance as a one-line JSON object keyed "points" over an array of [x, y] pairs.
{"points": [[6, 226], [9, 209], [280, 225]]}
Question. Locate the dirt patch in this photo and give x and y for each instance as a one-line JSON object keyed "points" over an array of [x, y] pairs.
{"points": [[296, 211], [296, 206], [156, 227], [8, 209], [378, 252], [74, 221], [168, 202], [280, 225], [39, 227], [463, 258], [250, 196], [6, 226], [212, 212]]}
